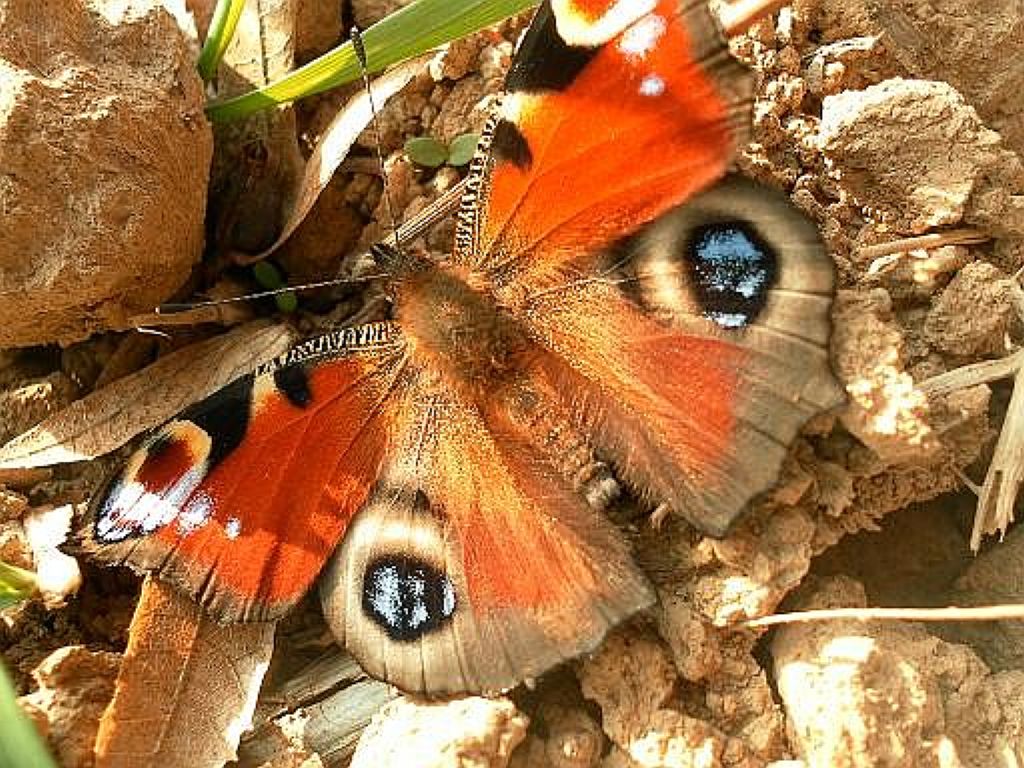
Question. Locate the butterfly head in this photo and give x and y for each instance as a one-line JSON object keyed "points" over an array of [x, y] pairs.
{"points": [[396, 265], [387, 257]]}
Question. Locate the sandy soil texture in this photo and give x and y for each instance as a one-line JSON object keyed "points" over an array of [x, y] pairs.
{"points": [[883, 119]]}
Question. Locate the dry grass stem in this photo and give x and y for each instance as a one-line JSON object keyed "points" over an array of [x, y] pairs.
{"points": [[998, 493], [1013, 611], [922, 243]]}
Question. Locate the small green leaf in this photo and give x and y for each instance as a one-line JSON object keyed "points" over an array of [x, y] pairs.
{"points": [[461, 150], [267, 275], [287, 302], [16, 584], [408, 32], [270, 278], [426, 151], [20, 745], [218, 38]]}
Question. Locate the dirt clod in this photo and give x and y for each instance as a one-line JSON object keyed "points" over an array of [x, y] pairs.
{"points": [[104, 156], [954, 324], [465, 733], [912, 150], [75, 686], [889, 693]]}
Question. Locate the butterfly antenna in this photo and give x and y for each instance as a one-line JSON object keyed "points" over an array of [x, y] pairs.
{"points": [[171, 308], [360, 49]]}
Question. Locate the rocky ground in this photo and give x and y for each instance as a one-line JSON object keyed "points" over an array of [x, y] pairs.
{"points": [[883, 120]]}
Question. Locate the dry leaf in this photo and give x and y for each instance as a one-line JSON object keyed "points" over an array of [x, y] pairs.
{"points": [[13, 477], [336, 142], [187, 687], [110, 417]]}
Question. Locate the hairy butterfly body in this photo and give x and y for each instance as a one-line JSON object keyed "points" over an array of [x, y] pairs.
{"points": [[613, 292]]}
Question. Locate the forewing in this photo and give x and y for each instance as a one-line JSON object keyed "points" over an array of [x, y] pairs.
{"points": [[615, 113], [241, 499], [600, 215]]}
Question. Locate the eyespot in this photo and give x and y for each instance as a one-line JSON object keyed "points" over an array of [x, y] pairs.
{"points": [[732, 271], [407, 597], [719, 259]]}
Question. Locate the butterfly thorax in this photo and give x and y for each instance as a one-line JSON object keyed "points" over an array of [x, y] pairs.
{"points": [[454, 324]]}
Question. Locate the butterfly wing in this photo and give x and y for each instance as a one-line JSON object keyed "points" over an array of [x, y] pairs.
{"points": [[615, 112], [474, 565], [698, 349], [687, 314], [243, 497]]}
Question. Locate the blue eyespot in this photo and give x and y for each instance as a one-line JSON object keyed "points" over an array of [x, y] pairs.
{"points": [[732, 272], [407, 597]]}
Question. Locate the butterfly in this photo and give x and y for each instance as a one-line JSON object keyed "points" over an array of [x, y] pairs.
{"points": [[615, 294]]}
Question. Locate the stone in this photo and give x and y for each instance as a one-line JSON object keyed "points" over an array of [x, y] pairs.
{"points": [[104, 160], [911, 152]]}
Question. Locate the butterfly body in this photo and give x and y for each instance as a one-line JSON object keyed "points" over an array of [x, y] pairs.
{"points": [[453, 324], [614, 301]]}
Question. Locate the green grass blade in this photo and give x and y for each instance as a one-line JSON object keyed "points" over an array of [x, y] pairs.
{"points": [[218, 38], [413, 30], [20, 744], [16, 585]]}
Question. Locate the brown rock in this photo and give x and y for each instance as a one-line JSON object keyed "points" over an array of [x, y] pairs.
{"points": [[12, 504], [694, 643], [14, 546], [367, 12], [885, 410], [574, 740], [966, 43], [910, 150], [75, 687], [674, 740], [873, 694], [104, 156], [973, 314], [473, 732], [328, 233], [458, 58], [839, 21], [631, 677], [633, 681], [464, 110], [854, 63], [996, 576], [317, 28], [765, 558], [571, 739]]}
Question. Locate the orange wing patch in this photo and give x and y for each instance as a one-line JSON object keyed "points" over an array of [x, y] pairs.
{"points": [[475, 565], [561, 183], [659, 403], [245, 525]]}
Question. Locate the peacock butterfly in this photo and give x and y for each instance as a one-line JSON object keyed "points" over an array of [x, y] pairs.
{"points": [[614, 292]]}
